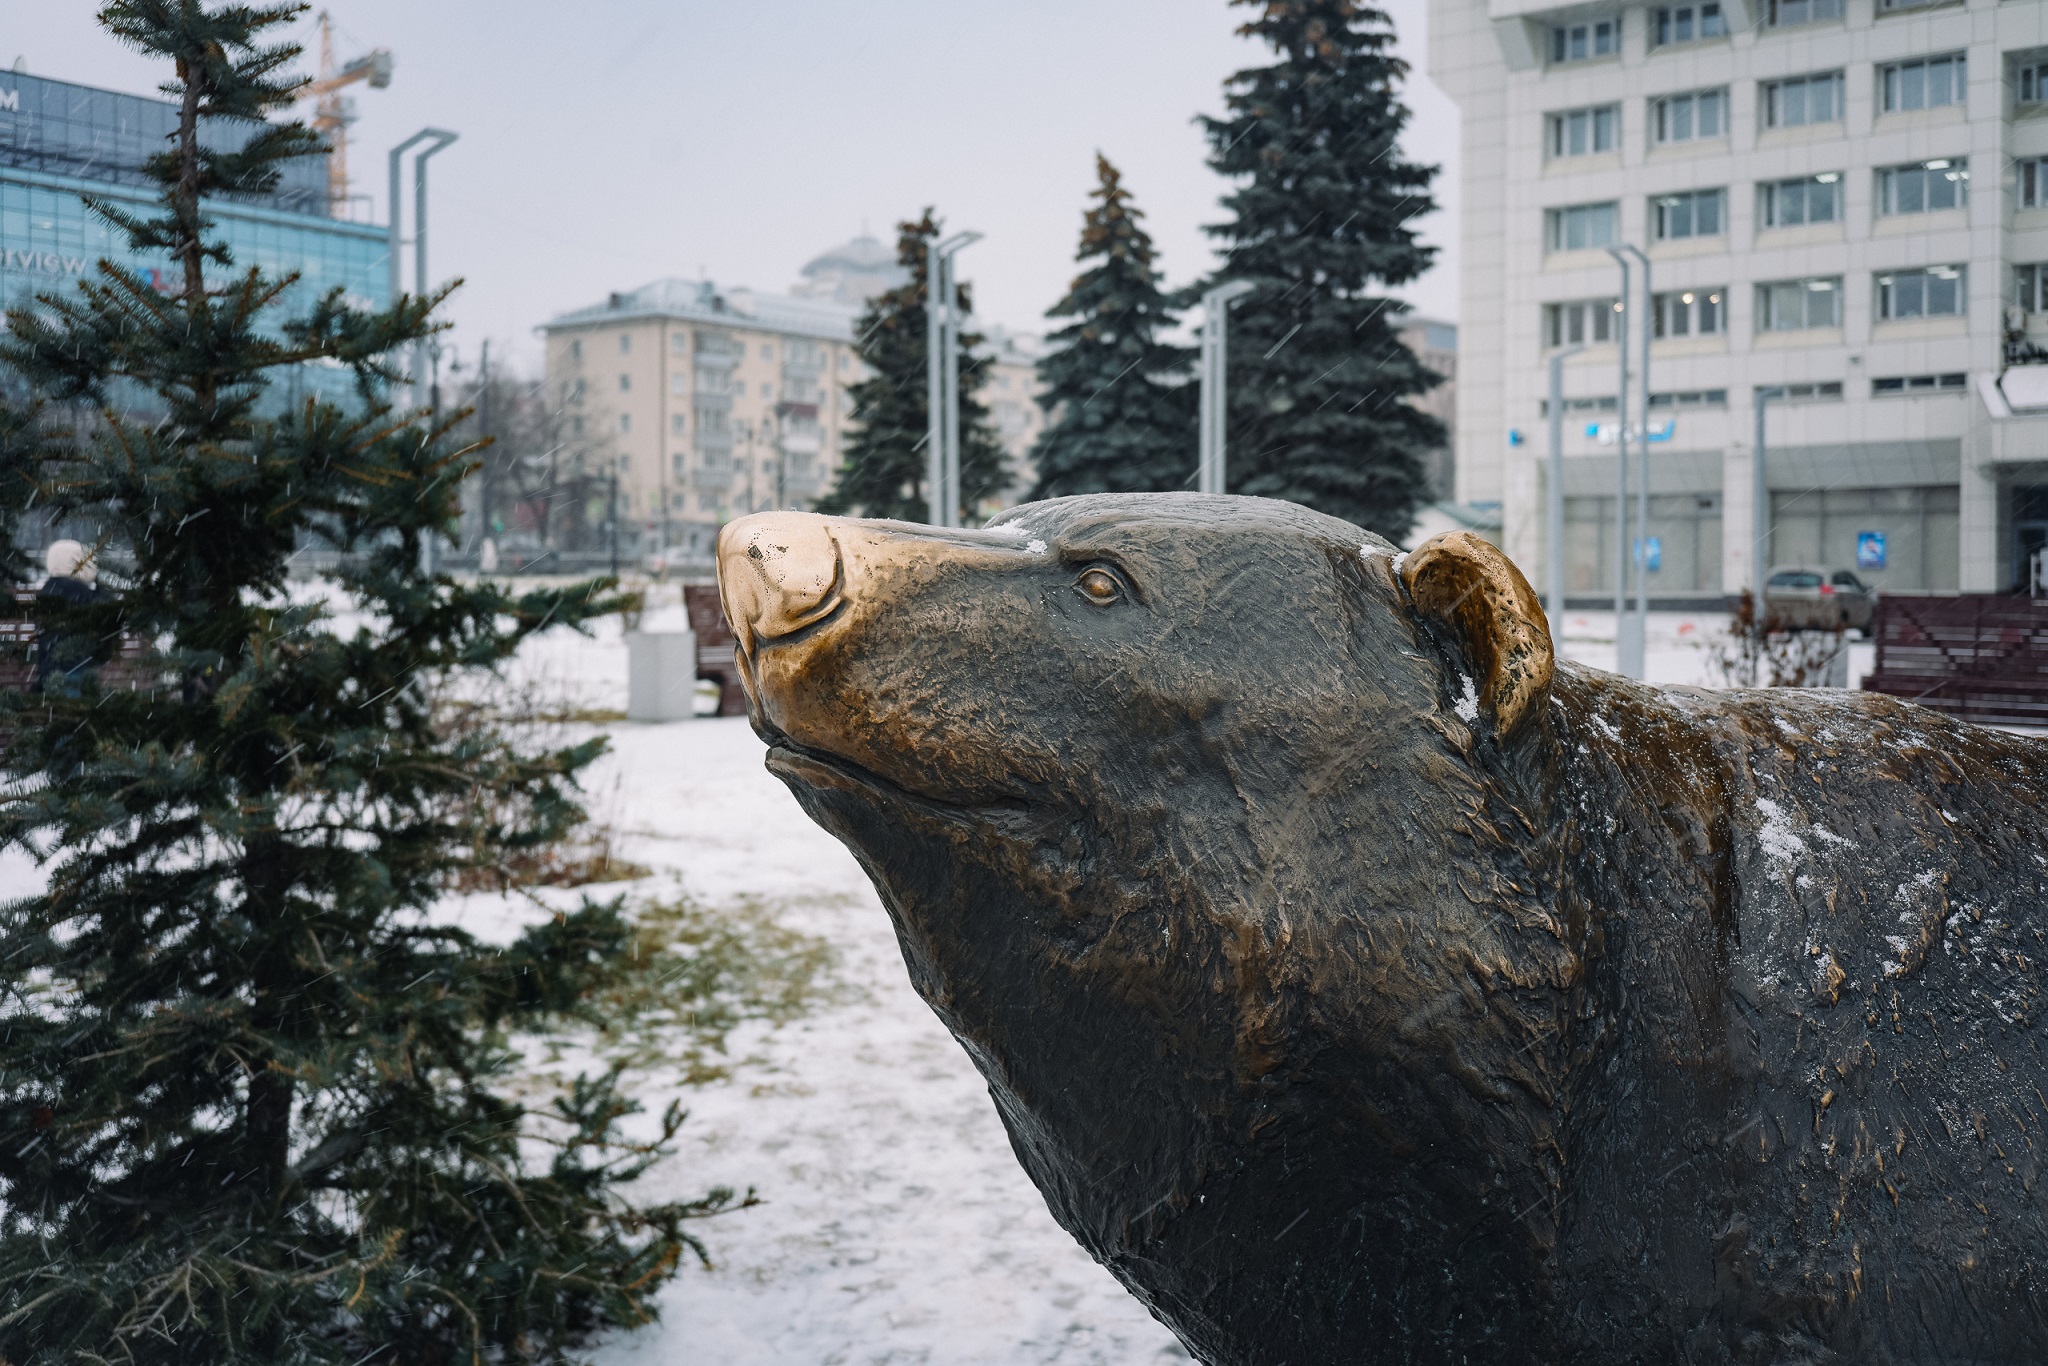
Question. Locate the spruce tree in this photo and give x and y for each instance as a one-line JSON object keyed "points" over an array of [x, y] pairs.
{"points": [[1318, 378], [1122, 414], [252, 1092], [883, 474]]}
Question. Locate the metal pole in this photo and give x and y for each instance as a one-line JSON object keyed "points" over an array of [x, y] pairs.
{"points": [[1642, 547], [942, 380], [1621, 555], [1210, 472], [951, 391], [393, 235], [1554, 569], [440, 138], [1206, 480], [934, 385], [1759, 515]]}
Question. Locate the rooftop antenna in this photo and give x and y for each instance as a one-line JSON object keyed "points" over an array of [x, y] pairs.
{"points": [[336, 111]]}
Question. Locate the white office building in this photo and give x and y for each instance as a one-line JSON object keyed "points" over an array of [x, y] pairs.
{"points": [[1842, 201]]}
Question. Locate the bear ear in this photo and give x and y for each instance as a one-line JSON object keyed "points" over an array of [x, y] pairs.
{"points": [[1471, 590]]}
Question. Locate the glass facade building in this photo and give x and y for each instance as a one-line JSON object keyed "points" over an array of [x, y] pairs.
{"points": [[60, 141]]}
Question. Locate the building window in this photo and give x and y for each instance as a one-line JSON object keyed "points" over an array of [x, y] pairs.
{"points": [[1826, 391], [679, 343], [1918, 384], [1578, 323], [1803, 100], [675, 421], [1891, 6], [1684, 23], [576, 391], [1792, 203], [1583, 42], [1696, 213], [576, 349], [625, 342], [1686, 118], [2033, 82], [1794, 305], [1936, 292], [767, 351], [739, 388], [625, 422], [1786, 13], [2034, 183], [1691, 398], [625, 384], [1582, 226], [679, 384], [2030, 287], [575, 426], [1690, 313], [1928, 187], [1574, 133], [1923, 83]]}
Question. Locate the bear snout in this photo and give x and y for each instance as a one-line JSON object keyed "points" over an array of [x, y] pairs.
{"points": [[778, 573]]}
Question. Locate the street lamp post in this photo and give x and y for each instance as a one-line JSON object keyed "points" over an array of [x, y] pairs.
{"points": [[440, 138], [942, 379], [1759, 516], [1215, 402], [1621, 555], [1641, 548], [1554, 569]]}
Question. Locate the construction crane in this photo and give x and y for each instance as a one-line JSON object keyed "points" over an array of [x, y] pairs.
{"points": [[336, 111]]}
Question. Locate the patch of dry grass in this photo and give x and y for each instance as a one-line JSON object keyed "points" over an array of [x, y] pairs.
{"points": [[698, 972]]}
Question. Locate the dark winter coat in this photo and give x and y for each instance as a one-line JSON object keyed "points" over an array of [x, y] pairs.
{"points": [[1359, 985], [66, 655]]}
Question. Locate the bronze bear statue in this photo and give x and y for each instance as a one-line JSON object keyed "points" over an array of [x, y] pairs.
{"points": [[1359, 984]]}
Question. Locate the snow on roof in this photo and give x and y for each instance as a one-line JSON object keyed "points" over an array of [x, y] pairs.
{"points": [[863, 253], [702, 301]]}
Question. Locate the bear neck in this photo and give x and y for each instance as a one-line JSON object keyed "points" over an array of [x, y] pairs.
{"points": [[1637, 793]]}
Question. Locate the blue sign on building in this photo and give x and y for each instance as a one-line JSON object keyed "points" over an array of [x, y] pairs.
{"points": [[1650, 550], [1870, 550]]}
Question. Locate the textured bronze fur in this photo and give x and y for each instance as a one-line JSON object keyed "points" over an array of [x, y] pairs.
{"points": [[1358, 988]]}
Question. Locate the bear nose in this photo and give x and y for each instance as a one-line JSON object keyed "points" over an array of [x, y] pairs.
{"points": [[778, 572]]}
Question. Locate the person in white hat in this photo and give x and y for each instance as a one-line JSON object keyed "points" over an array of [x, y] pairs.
{"points": [[64, 657]]}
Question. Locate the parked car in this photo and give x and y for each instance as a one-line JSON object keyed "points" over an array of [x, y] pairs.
{"points": [[1802, 596]]}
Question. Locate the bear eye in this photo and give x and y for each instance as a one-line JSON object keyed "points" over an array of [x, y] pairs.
{"points": [[1100, 586]]}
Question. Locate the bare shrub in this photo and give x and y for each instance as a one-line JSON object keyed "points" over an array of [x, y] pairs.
{"points": [[1776, 656]]}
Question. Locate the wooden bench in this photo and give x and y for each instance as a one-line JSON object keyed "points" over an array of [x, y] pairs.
{"points": [[1979, 656], [715, 658]]}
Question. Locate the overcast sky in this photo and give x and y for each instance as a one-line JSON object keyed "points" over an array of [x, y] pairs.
{"points": [[606, 143]]}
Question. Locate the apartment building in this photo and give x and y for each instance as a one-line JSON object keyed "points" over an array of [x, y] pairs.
{"points": [[708, 403], [1844, 204]]}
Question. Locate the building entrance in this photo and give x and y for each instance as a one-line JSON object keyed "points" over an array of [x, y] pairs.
{"points": [[2030, 539]]}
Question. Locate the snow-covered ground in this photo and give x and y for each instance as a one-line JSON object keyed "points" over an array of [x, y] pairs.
{"points": [[1677, 645]]}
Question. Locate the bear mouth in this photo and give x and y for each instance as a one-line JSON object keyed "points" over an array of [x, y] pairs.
{"points": [[788, 759], [817, 768]]}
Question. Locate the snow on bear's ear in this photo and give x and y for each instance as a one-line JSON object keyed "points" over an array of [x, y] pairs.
{"points": [[1476, 595]]}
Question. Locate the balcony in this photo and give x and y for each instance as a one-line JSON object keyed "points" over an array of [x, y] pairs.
{"points": [[711, 479]]}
